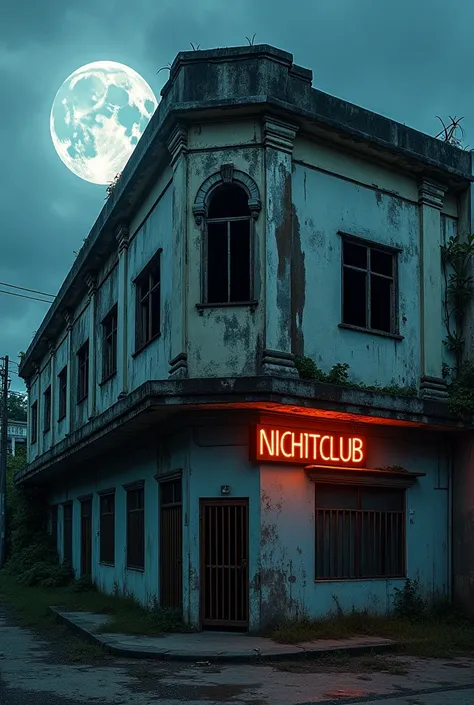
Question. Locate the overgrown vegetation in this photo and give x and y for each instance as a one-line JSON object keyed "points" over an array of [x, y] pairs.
{"points": [[417, 627], [339, 375], [456, 259]]}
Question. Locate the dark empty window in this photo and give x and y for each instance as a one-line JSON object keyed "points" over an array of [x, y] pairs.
{"points": [[369, 287], [47, 409], [107, 528], [67, 533], [135, 528], [109, 344], [34, 422], [228, 257], [360, 532], [62, 393], [54, 524], [148, 285], [83, 372]]}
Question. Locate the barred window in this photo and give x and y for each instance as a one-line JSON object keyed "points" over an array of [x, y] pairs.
{"points": [[360, 532]]}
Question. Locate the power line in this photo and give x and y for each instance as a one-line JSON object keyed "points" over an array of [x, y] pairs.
{"points": [[22, 288], [24, 296]]}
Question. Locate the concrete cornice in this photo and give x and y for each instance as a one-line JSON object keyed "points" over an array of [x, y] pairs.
{"points": [[265, 394]]}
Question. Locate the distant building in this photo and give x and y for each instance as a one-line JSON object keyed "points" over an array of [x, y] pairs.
{"points": [[259, 220], [16, 435]]}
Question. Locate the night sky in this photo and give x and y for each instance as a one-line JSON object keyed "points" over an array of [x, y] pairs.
{"points": [[411, 60]]}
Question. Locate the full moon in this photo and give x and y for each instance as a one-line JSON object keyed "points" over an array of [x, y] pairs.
{"points": [[98, 115]]}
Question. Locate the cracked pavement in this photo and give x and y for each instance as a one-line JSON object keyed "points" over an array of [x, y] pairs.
{"points": [[56, 668]]}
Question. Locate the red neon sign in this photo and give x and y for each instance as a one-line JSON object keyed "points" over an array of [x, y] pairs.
{"points": [[290, 445]]}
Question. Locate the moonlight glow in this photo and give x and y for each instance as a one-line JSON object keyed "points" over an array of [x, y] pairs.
{"points": [[98, 115]]}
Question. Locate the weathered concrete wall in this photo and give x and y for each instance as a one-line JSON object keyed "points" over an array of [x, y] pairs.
{"points": [[219, 456], [223, 341], [154, 233], [287, 572], [463, 523], [141, 463], [449, 228], [325, 204]]}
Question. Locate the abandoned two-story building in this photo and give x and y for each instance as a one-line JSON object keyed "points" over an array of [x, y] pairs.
{"points": [[186, 461]]}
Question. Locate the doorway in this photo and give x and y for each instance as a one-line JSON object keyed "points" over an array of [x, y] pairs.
{"points": [[224, 581], [86, 536], [171, 544]]}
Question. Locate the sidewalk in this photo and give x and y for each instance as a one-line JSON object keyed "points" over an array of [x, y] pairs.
{"points": [[211, 646]]}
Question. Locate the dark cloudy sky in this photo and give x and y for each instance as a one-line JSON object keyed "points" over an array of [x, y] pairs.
{"points": [[410, 60]]}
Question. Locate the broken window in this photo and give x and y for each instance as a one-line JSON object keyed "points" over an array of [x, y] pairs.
{"points": [[47, 409], [360, 532], [228, 247], [148, 306], [34, 422], [83, 372], [369, 287], [109, 344], [62, 396]]}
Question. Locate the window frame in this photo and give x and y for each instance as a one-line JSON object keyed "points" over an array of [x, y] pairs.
{"points": [[34, 422], [62, 393], [47, 409], [393, 251], [140, 342], [130, 490], [205, 303], [360, 488], [106, 495], [82, 358], [109, 344], [67, 505]]}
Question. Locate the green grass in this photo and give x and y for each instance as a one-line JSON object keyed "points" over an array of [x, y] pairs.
{"points": [[31, 605], [442, 636]]}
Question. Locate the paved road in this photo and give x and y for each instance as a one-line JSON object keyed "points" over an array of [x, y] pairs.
{"points": [[58, 669]]}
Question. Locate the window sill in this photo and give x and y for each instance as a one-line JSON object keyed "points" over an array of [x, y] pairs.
{"points": [[381, 333], [134, 568], [108, 565], [145, 345], [358, 580], [108, 378], [252, 305]]}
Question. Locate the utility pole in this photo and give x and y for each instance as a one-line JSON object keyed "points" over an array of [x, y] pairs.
{"points": [[3, 460]]}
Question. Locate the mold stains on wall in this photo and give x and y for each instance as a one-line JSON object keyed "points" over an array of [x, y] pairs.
{"points": [[298, 288], [282, 211]]}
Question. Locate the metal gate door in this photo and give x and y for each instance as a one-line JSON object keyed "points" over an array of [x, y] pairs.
{"points": [[224, 563], [171, 545], [86, 537]]}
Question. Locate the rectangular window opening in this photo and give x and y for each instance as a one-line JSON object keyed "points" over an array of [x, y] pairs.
{"points": [[109, 344], [34, 422], [135, 528], [62, 393], [47, 409], [369, 287], [107, 529], [83, 372], [360, 533], [148, 303]]}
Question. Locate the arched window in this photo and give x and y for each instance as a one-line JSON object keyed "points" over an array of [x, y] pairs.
{"points": [[228, 246], [225, 208]]}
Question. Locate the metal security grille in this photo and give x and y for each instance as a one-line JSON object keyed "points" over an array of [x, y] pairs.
{"points": [[171, 545], [86, 537], [224, 563], [360, 533]]}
